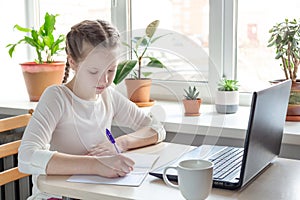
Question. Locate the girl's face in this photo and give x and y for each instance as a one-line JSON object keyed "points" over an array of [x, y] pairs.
{"points": [[95, 73]]}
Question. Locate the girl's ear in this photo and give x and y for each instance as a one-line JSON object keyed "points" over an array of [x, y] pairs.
{"points": [[72, 63]]}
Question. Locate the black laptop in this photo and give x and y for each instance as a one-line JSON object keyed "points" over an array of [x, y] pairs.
{"points": [[234, 167]]}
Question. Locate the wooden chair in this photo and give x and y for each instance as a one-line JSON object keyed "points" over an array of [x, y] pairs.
{"points": [[11, 148]]}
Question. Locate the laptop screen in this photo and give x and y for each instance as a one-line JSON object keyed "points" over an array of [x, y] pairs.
{"points": [[265, 128]]}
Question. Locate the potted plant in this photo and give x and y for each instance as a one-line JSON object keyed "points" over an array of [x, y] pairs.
{"points": [[285, 37], [227, 96], [191, 102], [138, 86], [44, 71]]}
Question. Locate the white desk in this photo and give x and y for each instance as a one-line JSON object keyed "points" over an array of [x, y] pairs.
{"points": [[280, 181]]}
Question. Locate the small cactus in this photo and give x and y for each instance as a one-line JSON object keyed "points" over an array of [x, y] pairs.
{"points": [[191, 94]]}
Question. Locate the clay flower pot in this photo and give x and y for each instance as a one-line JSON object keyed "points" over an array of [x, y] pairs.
{"points": [[192, 107], [293, 110], [138, 90], [39, 76]]}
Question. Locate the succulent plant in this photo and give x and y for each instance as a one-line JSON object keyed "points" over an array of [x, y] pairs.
{"points": [[191, 94], [228, 85]]}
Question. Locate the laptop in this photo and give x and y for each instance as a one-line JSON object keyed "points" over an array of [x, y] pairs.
{"points": [[261, 146]]}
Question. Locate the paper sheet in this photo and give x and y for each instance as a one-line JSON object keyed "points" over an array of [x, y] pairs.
{"points": [[143, 164]]}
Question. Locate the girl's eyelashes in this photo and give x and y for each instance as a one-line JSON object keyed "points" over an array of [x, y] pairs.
{"points": [[93, 72]]}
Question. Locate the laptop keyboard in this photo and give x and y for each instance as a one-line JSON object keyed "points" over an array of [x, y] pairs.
{"points": [[226, 161]]}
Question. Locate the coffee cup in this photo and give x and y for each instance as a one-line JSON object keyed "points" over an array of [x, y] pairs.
{"points": [[194, 178]]}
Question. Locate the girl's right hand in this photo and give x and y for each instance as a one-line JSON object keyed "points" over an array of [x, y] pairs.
{"points": [[114, 166]]}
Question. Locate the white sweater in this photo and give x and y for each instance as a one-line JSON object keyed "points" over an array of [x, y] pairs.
{"points": [[65, 123]]}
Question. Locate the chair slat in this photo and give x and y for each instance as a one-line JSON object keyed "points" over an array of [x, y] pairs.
{"points": [[11, 175], [10, 123], [10, 148]]}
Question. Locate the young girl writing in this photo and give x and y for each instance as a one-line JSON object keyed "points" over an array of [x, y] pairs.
{"points": [[66, 134]]}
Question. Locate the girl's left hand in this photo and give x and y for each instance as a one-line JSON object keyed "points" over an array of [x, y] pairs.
{"points": [[103, 149]]}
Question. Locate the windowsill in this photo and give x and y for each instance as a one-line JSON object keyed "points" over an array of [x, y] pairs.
{"points": [[211, 123], [171, 113]]}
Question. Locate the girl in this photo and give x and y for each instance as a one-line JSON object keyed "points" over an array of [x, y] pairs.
{"points": [[66, 134]]}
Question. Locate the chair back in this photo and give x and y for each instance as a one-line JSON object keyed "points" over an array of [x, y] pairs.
{"points": [[11, 148]]}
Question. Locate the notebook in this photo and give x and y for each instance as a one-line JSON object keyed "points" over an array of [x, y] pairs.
{"points": [[261, 146], [143, 163]]}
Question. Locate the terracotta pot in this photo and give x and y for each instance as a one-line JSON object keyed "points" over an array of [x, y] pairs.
{"points": [[192, 107], [227, 102], [138, 90], [39, 76], [294, 102]]}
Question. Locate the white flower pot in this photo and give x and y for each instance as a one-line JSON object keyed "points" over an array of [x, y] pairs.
{"points": [[227, 102]]}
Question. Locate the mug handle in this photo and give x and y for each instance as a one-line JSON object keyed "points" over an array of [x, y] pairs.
{"points": [[166, 178]]}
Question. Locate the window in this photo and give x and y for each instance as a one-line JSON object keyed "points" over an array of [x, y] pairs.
{"points": [[256, 63], [70, 12], [185, 50], [201, 49], [75, 11]]}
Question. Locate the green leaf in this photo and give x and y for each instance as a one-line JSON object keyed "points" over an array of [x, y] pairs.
{"points": [[146, 74], [123, 69], [154, 63], [278, 39], [139, 42], [31, 42], [12, 49], [22, 29], [49, 24], [151, 28], [279, 55], [271, 44], [192, 93]]}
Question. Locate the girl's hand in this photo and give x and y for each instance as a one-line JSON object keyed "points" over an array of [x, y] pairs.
{"points": [[103, 149], [114, 166]]}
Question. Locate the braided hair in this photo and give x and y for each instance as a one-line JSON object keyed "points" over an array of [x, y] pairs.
{"points": [[92, 32]]}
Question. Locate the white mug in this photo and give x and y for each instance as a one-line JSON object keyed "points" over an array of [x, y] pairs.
{"points": [[194, 178]]}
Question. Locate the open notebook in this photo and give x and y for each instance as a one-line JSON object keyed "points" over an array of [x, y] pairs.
{"points": [[143, 164]]}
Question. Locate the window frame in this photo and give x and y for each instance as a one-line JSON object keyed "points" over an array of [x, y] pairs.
{"points": [[222, 46]]}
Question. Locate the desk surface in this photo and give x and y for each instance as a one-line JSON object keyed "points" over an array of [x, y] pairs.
{"points": [[279, 181]]}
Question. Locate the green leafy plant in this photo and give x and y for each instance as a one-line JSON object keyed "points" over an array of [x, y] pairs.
{"points": [[191, 94], [285, 37], [43, 40], [139, 48], [228, 85]]}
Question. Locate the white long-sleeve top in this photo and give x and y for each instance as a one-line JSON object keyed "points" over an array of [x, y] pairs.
{"points": [[65, 123]]}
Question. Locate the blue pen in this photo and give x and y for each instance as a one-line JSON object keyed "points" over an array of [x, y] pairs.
{"points": [[112, 140]]}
